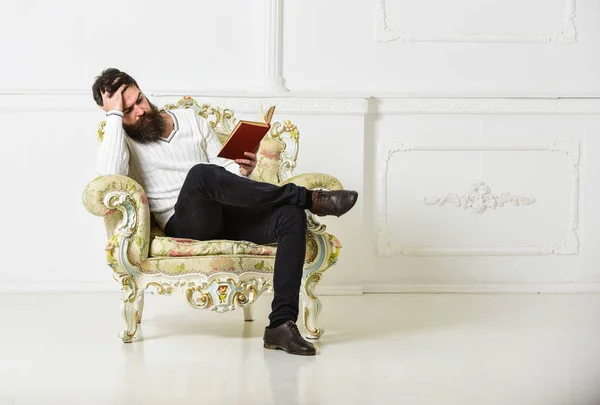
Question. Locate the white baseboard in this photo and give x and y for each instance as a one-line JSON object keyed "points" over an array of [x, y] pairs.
{"points": [[332, 290], [113, 287], [57, 288], [339, 290], [562, 288]]}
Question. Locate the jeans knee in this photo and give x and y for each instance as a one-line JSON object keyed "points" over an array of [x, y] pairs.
{"points": [[202, 170]]}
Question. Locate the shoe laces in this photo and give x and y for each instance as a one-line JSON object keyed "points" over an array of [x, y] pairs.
{"points": [[321, 195], [294, 328]]}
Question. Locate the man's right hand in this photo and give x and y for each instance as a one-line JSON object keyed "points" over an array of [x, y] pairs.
{"points": [[114, 102]]}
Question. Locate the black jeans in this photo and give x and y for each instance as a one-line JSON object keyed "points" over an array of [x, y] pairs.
{"points": [[216, 204]]}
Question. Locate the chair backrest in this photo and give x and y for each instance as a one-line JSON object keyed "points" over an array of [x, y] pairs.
{"points": [[278, 150]]}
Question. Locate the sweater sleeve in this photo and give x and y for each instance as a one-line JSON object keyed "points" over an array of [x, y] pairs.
{"points": [[212, 146], [113, 154]]}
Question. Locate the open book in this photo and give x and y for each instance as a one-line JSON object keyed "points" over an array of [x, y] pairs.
{"points": [[246, 137]]}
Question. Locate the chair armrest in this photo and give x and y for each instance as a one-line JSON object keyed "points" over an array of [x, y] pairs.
{"points": [[124, 205], [313, 181]]}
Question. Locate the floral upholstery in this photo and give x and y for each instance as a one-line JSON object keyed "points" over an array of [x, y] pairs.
{"points": [[219, 275], [162, 246], [178, 247], [268, 165], [314, 181], [187, 256], [208, 265]]}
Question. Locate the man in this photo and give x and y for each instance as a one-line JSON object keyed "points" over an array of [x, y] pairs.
{"points": [[194, 194]]}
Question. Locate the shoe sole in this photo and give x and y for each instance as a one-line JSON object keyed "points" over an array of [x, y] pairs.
{"points": [[276, 347]]}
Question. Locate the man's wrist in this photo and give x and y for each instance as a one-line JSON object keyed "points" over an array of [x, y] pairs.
{"points": [[114, 112]]}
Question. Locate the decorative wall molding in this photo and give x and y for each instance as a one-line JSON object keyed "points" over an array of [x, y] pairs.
{"points": [[486, 105], [294, 105], [318, 103], [47, 102], [271, 48], [566, 34], [242, 104], [385, 247], [479, 199]]}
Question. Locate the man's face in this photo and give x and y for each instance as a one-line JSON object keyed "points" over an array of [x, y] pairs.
{"points": [[141, 120], [135, 104]]}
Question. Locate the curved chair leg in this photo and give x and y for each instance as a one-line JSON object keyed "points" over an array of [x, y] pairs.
{"points": [[129, 307], [140, 307], [311, 306], [327, 249], [248, 314]]}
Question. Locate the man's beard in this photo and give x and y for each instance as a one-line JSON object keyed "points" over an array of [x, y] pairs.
{"points": [[149, 127]]}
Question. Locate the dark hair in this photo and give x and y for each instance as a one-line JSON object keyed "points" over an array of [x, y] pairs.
{"points": [[110, 80]]}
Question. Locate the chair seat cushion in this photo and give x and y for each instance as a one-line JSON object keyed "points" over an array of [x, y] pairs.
{"points": [[162, 246], [208, 265], [177, 256]]}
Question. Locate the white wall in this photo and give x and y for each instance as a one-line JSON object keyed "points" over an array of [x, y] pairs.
{"points": [[545, 159], [332, 46], [453, 95], [62, 45]]}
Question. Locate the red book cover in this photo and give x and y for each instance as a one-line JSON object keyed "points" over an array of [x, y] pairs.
{"points": [[246, 137]]}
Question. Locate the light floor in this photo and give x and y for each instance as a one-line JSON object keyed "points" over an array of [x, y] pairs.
{"points": [[378, 349]]}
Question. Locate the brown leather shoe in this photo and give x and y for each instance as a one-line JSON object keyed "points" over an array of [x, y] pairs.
{"points": [[287, 337], [336, 202]]}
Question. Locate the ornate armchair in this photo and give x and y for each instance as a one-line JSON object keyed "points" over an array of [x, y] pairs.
{"points": [[217, 275]]}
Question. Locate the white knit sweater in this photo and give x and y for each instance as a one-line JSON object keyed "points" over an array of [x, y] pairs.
{"points": [[161, 167]]}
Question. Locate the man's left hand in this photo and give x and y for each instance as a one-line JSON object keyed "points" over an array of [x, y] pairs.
{"points": [[247, 165]]}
